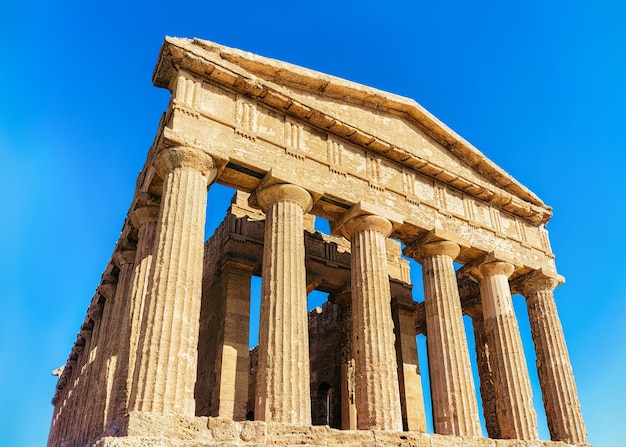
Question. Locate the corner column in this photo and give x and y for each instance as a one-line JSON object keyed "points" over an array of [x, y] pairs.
{"points": [[516, 414], [167, 347], [376, 372], [556, 376], [283, 385]]}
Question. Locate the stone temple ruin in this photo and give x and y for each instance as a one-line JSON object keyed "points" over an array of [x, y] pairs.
{"points": [[162, 357]]}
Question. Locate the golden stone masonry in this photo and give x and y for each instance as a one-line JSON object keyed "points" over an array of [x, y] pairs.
{"points": [[162, 357]]}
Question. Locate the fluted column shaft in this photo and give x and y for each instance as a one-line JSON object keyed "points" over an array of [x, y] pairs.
{"points": [[556, 376], [376, 373], [283, 388], [516, 414], [167, 346], [94, 413], [117, 366], [144, 218], [455, 410]]}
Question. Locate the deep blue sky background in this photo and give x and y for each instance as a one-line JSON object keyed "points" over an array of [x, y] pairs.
{"points": [[539, 87]]}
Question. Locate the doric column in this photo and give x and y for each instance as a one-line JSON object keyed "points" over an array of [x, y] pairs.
{"points": [[95, 373], [487, 392], [516, 414], [232, 360], [455, 410], [283, 388], [167, 347], [409, 377], [376, 372], [117, 363], [144, 218], [556, 377]]}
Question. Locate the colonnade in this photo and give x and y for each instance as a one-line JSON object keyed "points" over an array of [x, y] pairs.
{"points": [[169, 331], [164, 280]]}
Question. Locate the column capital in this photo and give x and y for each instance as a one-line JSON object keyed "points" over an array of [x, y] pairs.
{"points": [[435, 242], [285, 192], [494, 268], [145, 209], [108, 286], [182, 157], [430, 249], [124, 256], [144, 214], [366, 222], [363, 209], [96, 307], [537, 281]]}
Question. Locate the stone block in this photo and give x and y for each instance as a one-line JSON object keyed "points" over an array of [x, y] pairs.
{"points": [[255, 432], [397, 439], [286, 434], [224, 429], [167, 426], [444, 441], [351, 438]]}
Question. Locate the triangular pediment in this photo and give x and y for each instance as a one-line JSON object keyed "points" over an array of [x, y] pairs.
{"points": [[396, 127]]}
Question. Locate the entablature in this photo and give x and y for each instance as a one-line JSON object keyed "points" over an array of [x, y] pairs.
{"points": [[425, 203]]}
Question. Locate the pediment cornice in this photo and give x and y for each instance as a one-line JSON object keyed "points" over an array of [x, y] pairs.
{"points": [[271, 82]]}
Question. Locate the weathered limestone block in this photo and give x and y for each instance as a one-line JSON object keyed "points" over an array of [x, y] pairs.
{"points": [[282, 393], [516, 414], [167, 349], [376, 375]]}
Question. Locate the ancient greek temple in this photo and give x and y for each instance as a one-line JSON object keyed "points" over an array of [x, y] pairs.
{"points": [[162, 357]]}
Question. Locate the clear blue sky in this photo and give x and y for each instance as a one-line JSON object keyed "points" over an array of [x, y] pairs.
{"points": [[539, 87]]}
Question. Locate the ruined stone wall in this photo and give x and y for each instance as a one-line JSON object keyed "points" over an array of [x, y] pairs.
{"points": [[325, 363], [325, 357]]}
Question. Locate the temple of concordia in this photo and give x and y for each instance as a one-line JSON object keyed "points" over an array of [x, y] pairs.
{"points": [[162, 358]]}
